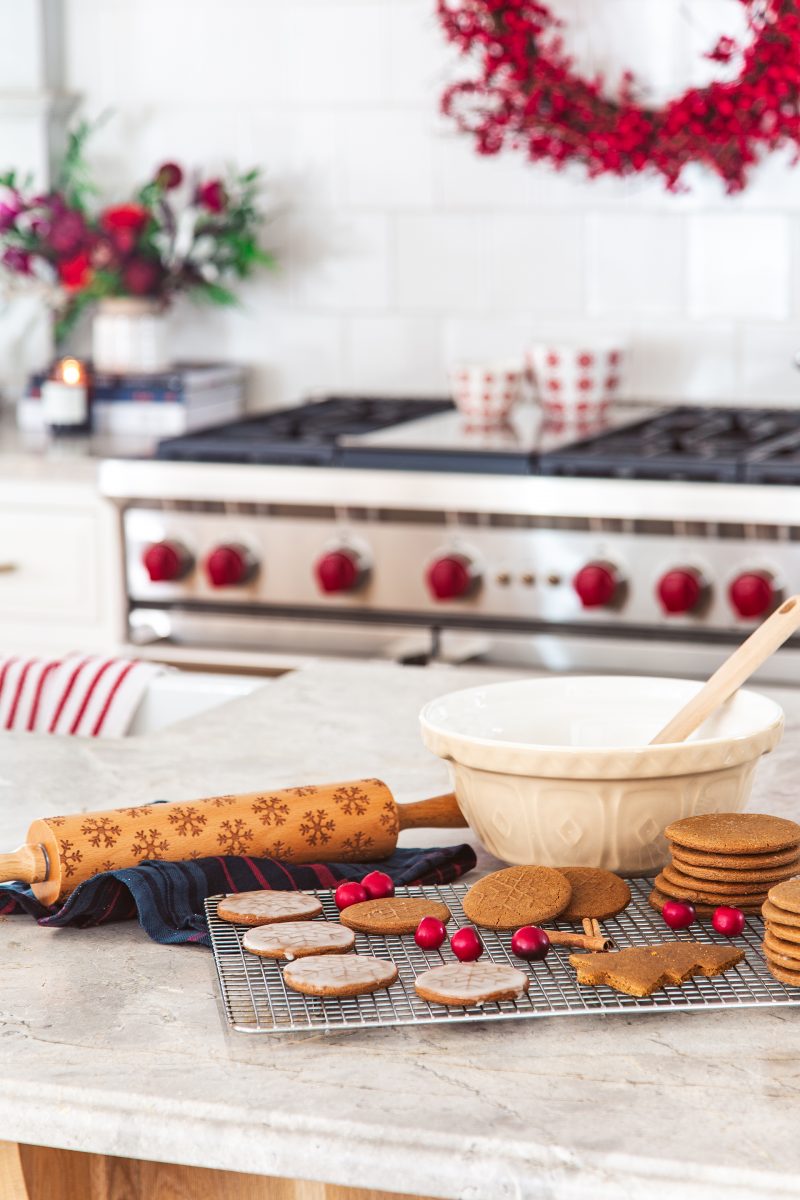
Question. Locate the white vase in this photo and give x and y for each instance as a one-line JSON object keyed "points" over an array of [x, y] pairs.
{"points": [[129, 337]]}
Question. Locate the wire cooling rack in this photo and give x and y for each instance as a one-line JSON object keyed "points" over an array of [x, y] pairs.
{"points": [[256, 999]]}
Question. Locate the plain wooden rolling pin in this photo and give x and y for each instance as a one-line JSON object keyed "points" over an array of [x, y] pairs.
{"points": [[356, 821]]}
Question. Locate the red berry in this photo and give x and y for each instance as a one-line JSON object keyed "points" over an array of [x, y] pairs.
{"points": [[466, 944], [728, 921], [349, 893], [378, 885], [678, 914], [530, 942], [430, 933]]}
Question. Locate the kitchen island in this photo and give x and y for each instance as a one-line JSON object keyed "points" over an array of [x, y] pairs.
{"points": [[113, 1045]]}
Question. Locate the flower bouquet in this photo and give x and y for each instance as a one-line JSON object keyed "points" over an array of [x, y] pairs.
{"points": [[180, 234]]}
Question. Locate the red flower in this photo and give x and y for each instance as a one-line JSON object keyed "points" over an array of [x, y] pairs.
{"points": [[66, 233], [169, 175], [75, 273], [17, 260], [212, 195], [124, 223], [141, 277], [723, 51]]}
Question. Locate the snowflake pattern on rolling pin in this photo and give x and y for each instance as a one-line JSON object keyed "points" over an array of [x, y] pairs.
{"points": [[188, 821], [70, 857], [234, 837], [279, 850], [316, 829], [149, 844], [271, 810], [352, 800], [222, 801], [389, 818], [99, 830], [358, 844]]}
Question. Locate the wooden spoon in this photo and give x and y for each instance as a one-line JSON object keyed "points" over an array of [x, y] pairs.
{"points": [[734, 671]]}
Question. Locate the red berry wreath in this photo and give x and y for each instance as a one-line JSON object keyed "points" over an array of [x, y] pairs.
{"points": [[527, 95]]}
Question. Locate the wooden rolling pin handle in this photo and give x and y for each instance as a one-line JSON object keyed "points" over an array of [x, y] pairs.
{"points": [[439, 812], [28, 864]]}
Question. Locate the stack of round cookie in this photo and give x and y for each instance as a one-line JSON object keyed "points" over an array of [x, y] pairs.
{"points": [[781, 943], [727, 858]]}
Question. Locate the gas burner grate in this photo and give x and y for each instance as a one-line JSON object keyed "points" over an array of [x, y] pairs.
{"points": [[256, 1000]]}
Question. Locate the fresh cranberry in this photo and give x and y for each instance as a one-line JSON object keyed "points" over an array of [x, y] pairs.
{"points": [[678, 914], [728, 921], [430, 933], [530, 942], [466, 944], [350, 893], [378, 885]]}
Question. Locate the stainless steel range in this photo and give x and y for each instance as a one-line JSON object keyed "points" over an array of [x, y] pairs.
{"points": [[369, 526]]}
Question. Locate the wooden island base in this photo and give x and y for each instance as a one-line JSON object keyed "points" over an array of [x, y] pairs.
{"points": [[44, 1173]]}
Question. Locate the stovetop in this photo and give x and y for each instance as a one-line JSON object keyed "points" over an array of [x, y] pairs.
{"points": [[701, 444]]}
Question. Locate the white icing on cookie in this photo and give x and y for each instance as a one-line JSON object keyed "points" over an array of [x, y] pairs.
{"points": [[295, 939], [259, 908], [325, 975], [471, 983]]}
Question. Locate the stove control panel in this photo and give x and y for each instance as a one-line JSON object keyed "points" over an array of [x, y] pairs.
{"points": [[469, 572]]}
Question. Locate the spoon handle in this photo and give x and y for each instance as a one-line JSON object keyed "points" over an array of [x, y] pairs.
{"points": [[761, 644]]}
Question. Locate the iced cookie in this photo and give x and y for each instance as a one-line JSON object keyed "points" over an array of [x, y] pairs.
{"points": [[396, 914], [339, 975], [595, 893], [262, 908], [465, 984], [517, 896], [642, 970], [297, 939]]}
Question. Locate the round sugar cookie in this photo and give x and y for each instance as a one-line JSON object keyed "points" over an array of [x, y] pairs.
{"points": [[734, 833], [771, 913], [750, 862], [765, 875], [596, 893], [393, 915], [786, 896], [677, 891], [657, 900], [263, 908], [465, 984], [714, 887], [517, 896], [297, 939], [339, 974]]}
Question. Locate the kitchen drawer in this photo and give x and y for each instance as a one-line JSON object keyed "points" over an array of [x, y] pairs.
{"points": [[49, 566]]}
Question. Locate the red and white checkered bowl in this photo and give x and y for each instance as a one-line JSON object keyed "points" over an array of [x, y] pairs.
{"points": [[486, 393], [576, 383]]}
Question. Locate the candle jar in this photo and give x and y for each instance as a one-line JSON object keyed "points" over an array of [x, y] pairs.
{"points": [[129, 337], [65, 399]]}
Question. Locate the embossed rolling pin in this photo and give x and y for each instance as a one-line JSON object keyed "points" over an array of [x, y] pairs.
{"points": [[356, 821]]}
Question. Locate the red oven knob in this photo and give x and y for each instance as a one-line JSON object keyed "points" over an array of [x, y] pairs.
{"points": [[753, 594], [451, 577], [167, 561], [681, 591], [339, 571], [597, 585], [229, 565]]}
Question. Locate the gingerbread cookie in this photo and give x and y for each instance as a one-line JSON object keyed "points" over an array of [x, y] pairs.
{"points": [[642, 970], [734, 833], [755, 862], [396, 914], [465, 984], [595, 893], [714, 887], [765, 875], [297, 939], [517, 896], [657, 899], [786, 896], [677, 891], [770, 912], [784, 933], [783, 975], [339, 975], [776, 945], [262, 908]]}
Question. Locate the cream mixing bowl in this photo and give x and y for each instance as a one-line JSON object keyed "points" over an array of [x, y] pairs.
{"points": [[558, 770]]}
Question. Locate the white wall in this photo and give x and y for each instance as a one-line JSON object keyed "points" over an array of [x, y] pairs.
{"points": [[400, 248]]}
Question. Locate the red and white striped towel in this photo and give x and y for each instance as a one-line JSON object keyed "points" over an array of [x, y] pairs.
{"points": [[80, 694]]}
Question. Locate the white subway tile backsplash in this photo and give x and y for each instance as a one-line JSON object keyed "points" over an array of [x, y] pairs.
{"points": [[342, 261], [683, 362], [767, 364], [394, 354], [739, 265], [386, 158], [536, 262], [635, 264], [442, 263]]}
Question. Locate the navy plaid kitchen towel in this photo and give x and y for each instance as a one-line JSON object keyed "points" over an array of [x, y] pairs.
{"points": [[167, 898]]}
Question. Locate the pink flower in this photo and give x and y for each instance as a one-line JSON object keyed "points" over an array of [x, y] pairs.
{"points": [[141, 277], [212, 195], [67, 233], [17, 260], [169, 175]]}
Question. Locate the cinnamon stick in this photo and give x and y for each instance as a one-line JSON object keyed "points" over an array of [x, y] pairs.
{"points": [[580, 941]]}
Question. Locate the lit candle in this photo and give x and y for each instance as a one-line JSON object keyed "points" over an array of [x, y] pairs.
{"points": [[65, 398]]}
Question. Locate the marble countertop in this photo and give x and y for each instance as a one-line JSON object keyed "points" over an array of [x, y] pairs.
{"points": [[113, 1044], [40, 458]]}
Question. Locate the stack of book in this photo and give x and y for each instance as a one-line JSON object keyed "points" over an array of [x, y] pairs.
{"points": [[188, 397]]}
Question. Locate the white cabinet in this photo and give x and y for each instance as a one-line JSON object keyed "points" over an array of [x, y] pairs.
{"points": [[59, 568]]}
